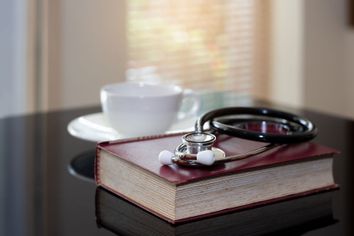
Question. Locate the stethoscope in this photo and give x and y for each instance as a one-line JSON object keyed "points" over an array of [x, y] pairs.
{"points": [[259, 124]]}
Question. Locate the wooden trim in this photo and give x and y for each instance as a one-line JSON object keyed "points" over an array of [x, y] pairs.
{"points": [[36, 55], [261, 88], [52, 53], [42, 46], [31, 73], [351, 12]]}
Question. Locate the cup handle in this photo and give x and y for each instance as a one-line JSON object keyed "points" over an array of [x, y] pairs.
{"points": [[189, 95]]}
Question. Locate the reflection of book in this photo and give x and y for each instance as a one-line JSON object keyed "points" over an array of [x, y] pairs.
{"points": [[292, 216], [130, 169]]}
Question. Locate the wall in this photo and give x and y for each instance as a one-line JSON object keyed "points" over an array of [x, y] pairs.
{"points": [[82, 51], [286, 54], [328, 57], [313, 55]]}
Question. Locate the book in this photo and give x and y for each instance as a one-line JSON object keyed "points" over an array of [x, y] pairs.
{"points": [[130, 168], [289, 217]]}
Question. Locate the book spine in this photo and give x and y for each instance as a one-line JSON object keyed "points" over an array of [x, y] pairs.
{"points": [[97, 165]]}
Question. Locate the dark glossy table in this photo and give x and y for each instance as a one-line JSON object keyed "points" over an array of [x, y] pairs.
{"points": [[38, 195]]}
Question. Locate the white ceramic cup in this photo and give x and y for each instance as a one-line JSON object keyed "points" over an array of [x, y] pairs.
{"points": [[138, 109]]}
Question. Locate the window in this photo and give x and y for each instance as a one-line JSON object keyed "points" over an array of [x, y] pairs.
{"points": [[196, 43]]}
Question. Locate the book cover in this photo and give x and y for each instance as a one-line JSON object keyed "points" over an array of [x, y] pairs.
{"points": [[144, 151]]}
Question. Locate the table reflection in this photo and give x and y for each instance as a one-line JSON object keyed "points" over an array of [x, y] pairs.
{"points": [[293, 217]]}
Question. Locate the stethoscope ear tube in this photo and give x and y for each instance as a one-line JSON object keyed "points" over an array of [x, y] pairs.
{"points": [[300, 129]]}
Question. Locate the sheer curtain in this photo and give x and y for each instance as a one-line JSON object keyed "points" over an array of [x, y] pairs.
{"points": [[197, 43]]}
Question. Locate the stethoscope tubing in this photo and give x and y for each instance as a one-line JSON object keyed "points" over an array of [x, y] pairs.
{"points": [[197, 147], [308, 129]]}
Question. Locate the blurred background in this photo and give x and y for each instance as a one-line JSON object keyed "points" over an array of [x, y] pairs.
{"points": [[57, 54]]}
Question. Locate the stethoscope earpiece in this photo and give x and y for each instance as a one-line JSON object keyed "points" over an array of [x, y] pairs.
{"points": [[165, 157], [206, 157]]}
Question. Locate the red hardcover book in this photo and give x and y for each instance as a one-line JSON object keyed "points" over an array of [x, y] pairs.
{"points": [[130, 168]]}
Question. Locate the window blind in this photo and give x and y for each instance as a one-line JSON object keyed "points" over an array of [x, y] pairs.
{"points": [[195, 43]]}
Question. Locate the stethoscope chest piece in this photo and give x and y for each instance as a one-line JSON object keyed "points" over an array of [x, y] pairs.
{"points": [[195, 142], [196, 149]]}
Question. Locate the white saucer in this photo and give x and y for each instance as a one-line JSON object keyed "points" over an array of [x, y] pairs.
{"points": [[93, 127]]}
